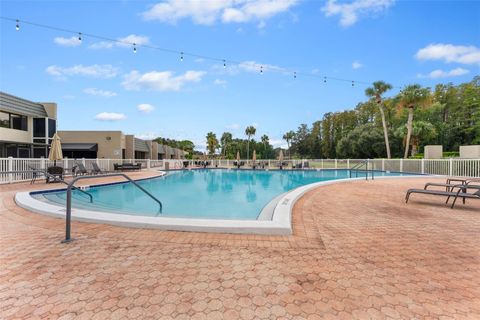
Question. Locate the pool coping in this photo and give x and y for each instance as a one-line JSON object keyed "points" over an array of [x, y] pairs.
{"points": [[281, 223]]}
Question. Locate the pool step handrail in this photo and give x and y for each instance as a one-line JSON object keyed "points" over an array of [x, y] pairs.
{"points": [[48, 175], [71, 185], [358, 168]]}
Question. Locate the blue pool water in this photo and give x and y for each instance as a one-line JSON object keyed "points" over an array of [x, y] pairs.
{"points": [[211, 194]]}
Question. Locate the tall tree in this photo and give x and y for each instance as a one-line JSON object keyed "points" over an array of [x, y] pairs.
{"points": [[226, 139], [288, 137], [376, 92], [411, 97], [265, 141], [249, 132], [212, 143]]}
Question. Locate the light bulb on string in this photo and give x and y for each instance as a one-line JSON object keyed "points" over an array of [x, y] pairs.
{"points": [[224, 64], [17, 26], [295, 75], [261, 69], [353, 83], [324, 79], [79, 36], [134, 48], [181, 56]]}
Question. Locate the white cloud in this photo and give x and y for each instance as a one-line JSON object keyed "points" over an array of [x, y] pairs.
{"points": [[110, 116], [99, 92], [125, 42], [160, 80], [145, 108], [104, 71], [220, 82], [147, 135], [278, 143], [350, 12], [450, 53], [67, 42], [209, 12], [233, 126], [356, 65], [435, 74]]}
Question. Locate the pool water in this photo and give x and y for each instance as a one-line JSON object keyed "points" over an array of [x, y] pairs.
{"points": [[206, 194]]}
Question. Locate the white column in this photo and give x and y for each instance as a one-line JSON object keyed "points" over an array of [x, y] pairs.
{"points": [[450, 167], [383, 164], [148, 163], [401, 165], [336, 165], [423, 166], [348, 163]]}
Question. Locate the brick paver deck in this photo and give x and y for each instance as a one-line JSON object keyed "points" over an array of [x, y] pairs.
{"points": [[358, 251]]}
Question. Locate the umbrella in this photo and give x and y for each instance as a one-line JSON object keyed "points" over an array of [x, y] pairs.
{"points": [[55, 150], [238, 156], [254, 157]]}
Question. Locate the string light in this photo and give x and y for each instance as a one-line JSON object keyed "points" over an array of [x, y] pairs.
{"points": [[295, 75], [182, 54]]}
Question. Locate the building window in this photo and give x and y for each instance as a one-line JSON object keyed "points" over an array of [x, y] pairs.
{"points": [[42, 141], [4, 120], [52, 127], [39, 127], [18, 122]]}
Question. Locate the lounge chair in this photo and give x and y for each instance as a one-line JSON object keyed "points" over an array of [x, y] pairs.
{"points": [[461, 193], [97, 170], [127, 166], [81, 170]]}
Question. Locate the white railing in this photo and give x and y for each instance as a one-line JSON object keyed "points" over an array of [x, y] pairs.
{"points": [[448, 167]]}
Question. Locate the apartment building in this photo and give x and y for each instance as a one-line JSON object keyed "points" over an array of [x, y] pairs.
{"points": [[113, 145], [26, 127]]}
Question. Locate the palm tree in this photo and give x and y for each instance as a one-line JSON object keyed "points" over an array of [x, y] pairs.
{"points": [[226, 139], [289, 137], [411, 97], [265, 140], [249, 132], [378, 89], [212, 142]]}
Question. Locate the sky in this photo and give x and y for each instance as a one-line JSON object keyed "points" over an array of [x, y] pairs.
{"points": [[103, 85]]}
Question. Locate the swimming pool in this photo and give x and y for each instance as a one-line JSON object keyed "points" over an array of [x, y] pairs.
{"points": [[198, 194]]}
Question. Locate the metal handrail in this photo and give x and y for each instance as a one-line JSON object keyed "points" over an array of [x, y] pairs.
{"points": [[69, 198], [48, 175], [359, 165]]}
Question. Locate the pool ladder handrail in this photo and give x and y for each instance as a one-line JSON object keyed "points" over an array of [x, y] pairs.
{"points": [[48, 175], [358, 166], [71, 185]]}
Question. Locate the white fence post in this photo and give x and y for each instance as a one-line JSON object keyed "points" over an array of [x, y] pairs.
{"points": [[148, 163], [83, 161], [383, 164], [336, 165], [450, 167], [10, 168], [43, 163], [401, 164], [322, 163], [423, 166], [348, 163]]}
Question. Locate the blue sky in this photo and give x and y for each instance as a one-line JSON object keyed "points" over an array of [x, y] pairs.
{"points": [[101, 85]]}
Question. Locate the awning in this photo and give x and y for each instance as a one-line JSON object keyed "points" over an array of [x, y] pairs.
{"points": [[79, 147]]}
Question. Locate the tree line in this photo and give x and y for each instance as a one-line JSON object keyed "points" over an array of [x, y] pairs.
{"points": [[398, 126], [379, 127]]}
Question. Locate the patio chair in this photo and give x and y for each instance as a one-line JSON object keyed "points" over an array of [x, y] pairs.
{"points": [[461, 193], [35, 174], [97, 170], [81, 170], [55, 173]]}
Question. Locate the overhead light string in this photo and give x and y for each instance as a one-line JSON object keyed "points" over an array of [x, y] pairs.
{"points": [[181, 53]]}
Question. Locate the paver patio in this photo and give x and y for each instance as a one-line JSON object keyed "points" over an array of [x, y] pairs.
{"points": [[358, 251]]}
